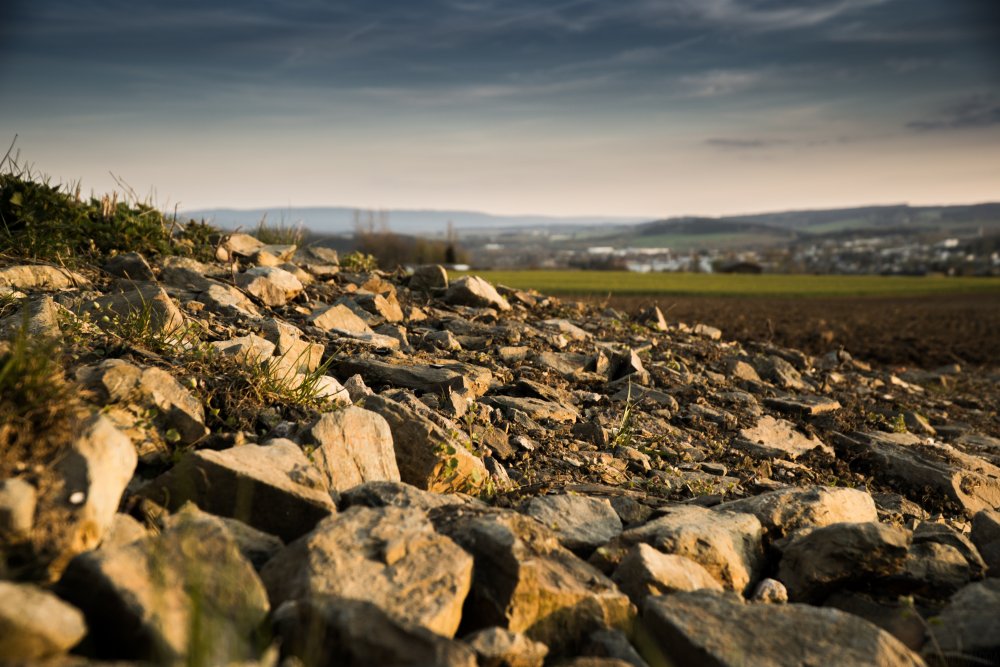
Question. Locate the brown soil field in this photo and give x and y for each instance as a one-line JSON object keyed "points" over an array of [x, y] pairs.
{"points": [[925, 331]]}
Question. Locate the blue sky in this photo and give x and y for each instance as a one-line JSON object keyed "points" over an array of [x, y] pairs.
{"points": [[625, 107]]}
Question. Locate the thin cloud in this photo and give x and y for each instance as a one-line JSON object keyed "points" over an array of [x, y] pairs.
{"points": [[730, 143], [972, 113]]}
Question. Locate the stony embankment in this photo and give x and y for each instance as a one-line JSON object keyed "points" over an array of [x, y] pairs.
{"points": [[273, 459]]}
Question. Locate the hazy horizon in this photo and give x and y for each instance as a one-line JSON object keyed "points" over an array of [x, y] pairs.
{"points": [[638, 108]]}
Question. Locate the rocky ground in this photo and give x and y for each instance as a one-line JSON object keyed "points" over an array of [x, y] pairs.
{"points": [[274, 458]]}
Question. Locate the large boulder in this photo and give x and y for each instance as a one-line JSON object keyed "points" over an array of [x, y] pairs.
{"points": [[525, 581], [785, 511], [272, 487], [967, 631], [582, 523], [185, 594], [720, 630], [727, 544], [644, 571], [393, 559], [476, 292], [353, 446]]}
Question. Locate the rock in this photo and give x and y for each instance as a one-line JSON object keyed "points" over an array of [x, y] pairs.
{"points": [[18, 499], [897, 615], [770, 591], [429, 278], [719, 630], [581, 523], [39, 277], [727, 544], [496, 647], [338, 318], [35, 624], [396, 561], [273, 488], [227, 300], [130, 265], [94, 475], [525, 581], [939, 533], [397, 494], [386, 308], [249, 350], [433, 378], [148, 305], [329, 388], [123, 530], [708, 332], [819, 561], [986, 537], [644, 571], [777, 438], [428, 456], [328, 630], [967, 631], [778, 371], [613, 647], [476, 292], [185, 593], [356, 388], [37, 317], [568, 329], [803, 406], [237, 245], [255, 545], [535, 408], [628, 364], [786, 511], [353, 446], [933, 570], [273, 286], [653, 317], [960, 481]]}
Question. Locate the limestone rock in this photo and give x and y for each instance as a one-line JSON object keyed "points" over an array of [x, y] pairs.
{"points": [[185, 591], [353, 446], [397, 494], [95, 473], [967, 631], [719, 630], [774, 438], [328, 630], [644, 571], [986, 536], [249, 350], [145, 302], [535, 408], [815, 563], [581, 523], [35, 624], [785, 511], [339, 318], [476, 292], [496, 647], [273, 286], [525, 581], [272, 487], [428, 278], [428, 456], [18, 499], [41, 277], [435, 378], [130, 265], [727, 544], [395, 561]]}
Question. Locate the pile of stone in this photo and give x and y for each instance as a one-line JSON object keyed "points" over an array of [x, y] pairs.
{"points": [[497, 478]]}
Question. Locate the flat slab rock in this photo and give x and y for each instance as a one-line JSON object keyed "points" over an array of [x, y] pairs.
{"points": [[963, 482], [434, 378], [535, 408], [35, 624], [785, 511], [720, 630], [353, 446], [778, 438], [581, 523]]}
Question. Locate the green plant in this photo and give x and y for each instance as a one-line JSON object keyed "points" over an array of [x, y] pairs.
{"points": [[281, 234], [358, 262], [626, 425]]}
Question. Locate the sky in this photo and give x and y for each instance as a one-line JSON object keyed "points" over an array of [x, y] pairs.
{"points": [[579, 107]]}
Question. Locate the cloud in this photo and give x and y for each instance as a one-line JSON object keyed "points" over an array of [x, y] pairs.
{"points": [[730, 143], [974, 112], [721, 82]]}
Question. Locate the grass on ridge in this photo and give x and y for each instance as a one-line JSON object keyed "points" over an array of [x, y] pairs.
{"points": [[624, 283]]}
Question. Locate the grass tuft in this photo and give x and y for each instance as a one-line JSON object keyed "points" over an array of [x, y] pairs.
{"points": [[281, 234]]}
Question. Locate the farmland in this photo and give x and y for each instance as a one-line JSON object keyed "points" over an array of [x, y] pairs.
{"points": [[624, 283]]}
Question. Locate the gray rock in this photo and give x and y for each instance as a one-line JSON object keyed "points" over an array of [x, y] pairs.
{"points": [[130, 265], [385, 307], [428, 456], [328, 630], [273, 488], [653, 317], [770, 591], [738, 369], [496, 647], [433, 378], [803, 406], [581, 523], [353, 446], [185, 593], [727, 544], [395, 561], [967, 631], [986, 537], [123, 530], [525, 581], [707, 331], [227, 300], [956, 480], [18, 499], [250, 349], [145, 302], [397, 494], [476, 292], [428, 278], [94, 475], [37, 317], [614, 647], [255, 545], [273, 286], [778, 371], [237, 245], [785, 511], [817, 562], [535, 408], [35, 624], [628, 364], [644, 571], [720, 630], [777, 438]]}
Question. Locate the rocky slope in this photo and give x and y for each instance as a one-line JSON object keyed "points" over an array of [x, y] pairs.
{"points": [[271, 459]]}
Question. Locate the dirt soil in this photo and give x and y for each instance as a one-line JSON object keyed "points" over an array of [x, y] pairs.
{"points": [[925, 331]]}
